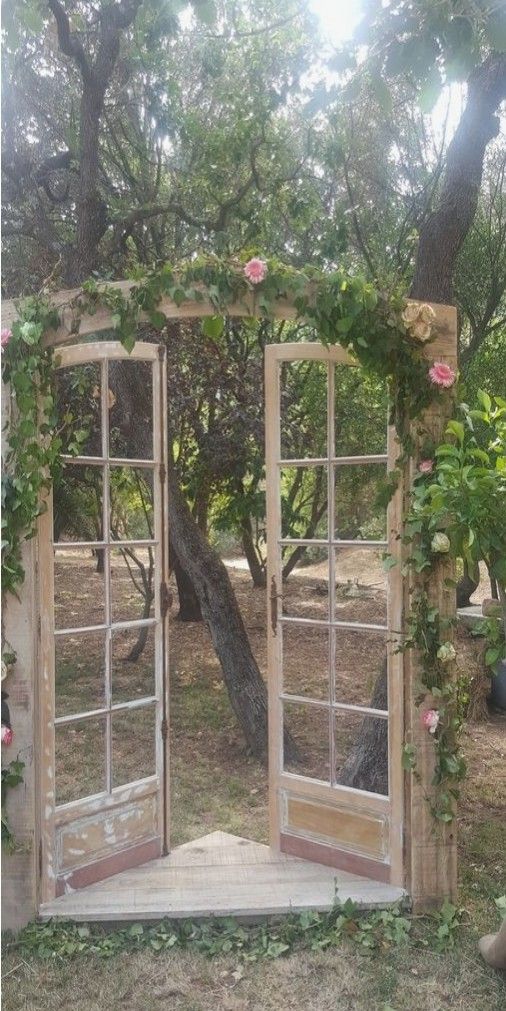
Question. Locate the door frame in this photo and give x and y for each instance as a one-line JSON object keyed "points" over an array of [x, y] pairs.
{"points": [[49, 818], [387, 810]]}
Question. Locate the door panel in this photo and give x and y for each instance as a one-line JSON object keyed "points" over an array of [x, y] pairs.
{"points": [[103, 561], [332, 622]]}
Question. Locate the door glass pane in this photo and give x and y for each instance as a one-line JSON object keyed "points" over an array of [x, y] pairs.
{"points": [[77, 504], [305, 662], [79, 410], [361, 751], [79, 597], [79, 673], [304, 495], [306, 753], [133, 745], [131, 503], [79, 759], [358, 516], [360, 667], [303, 410], [305, 591], [360, 412], [133, 664], [361, 586], [132, 583], [131, 412]]}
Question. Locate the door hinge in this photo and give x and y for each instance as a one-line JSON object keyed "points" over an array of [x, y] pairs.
{"points": [[165, 728], [274, 605], [166, 599]]}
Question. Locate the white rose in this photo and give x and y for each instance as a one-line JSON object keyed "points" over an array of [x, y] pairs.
{"points": [[440, 544], [446, 652]]}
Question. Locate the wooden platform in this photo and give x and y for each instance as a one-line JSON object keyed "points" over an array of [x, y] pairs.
{"points": [[219, 875]]}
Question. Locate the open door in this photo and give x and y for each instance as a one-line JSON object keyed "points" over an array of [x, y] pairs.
{"points": [[104, 625], [335, 730]]}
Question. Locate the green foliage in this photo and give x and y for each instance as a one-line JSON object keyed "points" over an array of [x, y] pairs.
{"points": [[12, 776], [32, 445], [429, 43], [377, 930]]}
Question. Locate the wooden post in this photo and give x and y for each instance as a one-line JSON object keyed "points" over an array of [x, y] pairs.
{"points": [[430, 845]]}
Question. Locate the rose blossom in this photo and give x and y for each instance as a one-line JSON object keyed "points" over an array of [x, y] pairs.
{"points": [[430, 720], [426, 466], [422, 331], [410, 313], [7, 735], [442, 374], [440, 543], [255, 270], [5, 337], [446, 652]]}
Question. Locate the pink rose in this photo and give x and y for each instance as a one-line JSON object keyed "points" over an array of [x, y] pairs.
{"points": [[426, 466], [441, 374], [7, 735], [255, 270], [5, 337], [430, 720]]}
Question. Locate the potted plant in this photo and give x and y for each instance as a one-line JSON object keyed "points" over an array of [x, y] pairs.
{"points": [[463, 496]]}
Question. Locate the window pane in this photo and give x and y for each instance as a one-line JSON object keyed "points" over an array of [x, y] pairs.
{"points": [[131, 503], [133, 664], [78, 588], [361, 751], [132, 583], [304, 495], [305, 591], [360, 412], [79, 410], [77, 504], [360, 665], [308, 727], [79, 673], [79, 759], [131, 413], [357, 513], [303, 410], [305, 661], [133, 745], [361, 586]]}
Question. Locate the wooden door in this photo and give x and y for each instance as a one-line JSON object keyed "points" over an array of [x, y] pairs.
{"points": [[104, 626], [333, 623]]}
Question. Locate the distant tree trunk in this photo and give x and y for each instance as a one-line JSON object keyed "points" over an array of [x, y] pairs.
{"points": [[189, 606], [246, 689], [441, 239], [466, 586], [257, 571], [142, 638], [366, 767]]}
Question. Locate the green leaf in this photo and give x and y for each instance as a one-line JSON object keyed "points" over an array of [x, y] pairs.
{"points": [[213, 326], [381, 93], [457, 429], [158, 319]]}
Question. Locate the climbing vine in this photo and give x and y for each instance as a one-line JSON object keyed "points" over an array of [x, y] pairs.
{"points": [[383, 331]]}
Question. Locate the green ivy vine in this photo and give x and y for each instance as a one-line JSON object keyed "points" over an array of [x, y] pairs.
{"points": [[384, 332]]}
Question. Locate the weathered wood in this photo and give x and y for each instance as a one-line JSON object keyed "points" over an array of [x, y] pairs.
{"points": [[431, 847], [222, 875]]}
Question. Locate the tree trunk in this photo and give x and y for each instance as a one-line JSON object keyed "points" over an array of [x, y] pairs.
{"points": [[465, 588], [441, 239], [189, 606], [142, 638], [366, 767], [257, 572], [246, 689]]}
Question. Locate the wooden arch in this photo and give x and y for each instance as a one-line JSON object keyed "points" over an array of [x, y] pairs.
{"points": [[428, 850]]}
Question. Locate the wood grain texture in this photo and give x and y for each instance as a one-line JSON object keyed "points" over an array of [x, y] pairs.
{"points": [[219, 874]]}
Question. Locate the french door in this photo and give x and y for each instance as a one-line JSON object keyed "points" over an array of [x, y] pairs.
{"points": [[104, 625], [335, 728]]}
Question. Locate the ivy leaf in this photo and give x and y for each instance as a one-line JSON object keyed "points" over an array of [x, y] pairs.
{"points": [[213, 326], [157, 319]]}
